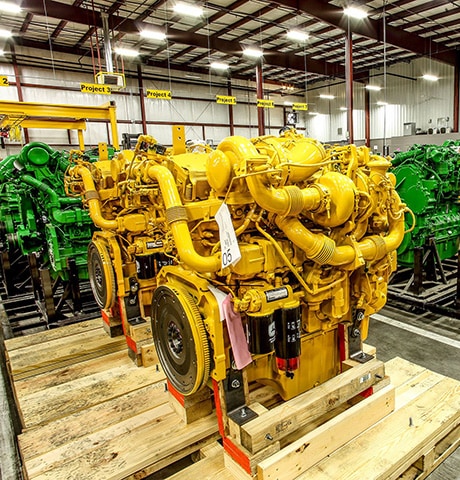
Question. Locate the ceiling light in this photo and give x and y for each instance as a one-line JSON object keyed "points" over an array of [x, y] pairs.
{"points": [[153, 35], [252, 52], [2, 52], [382, 103], [288, 104], [297, 35], [9, 7], [126, 52], [188, 10], [5, 33], [313, 113], [326, 96], [429, 77], [355, 13], [219, 66], [374, 88], [344, 109]]}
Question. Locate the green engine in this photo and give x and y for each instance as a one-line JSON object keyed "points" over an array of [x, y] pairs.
{"points": [[36, 215], [428, 181]]}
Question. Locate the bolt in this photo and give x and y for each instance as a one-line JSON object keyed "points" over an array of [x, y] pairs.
{"points": [[268, 437], [243, 413], [236, 383], [411, 423]]}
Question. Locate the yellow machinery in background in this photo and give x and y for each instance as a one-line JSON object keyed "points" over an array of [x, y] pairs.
{"points": [[16, 115], [292, 242]]}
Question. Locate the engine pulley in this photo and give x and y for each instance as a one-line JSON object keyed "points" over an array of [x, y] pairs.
{"points": [[180, 339], [101, 274]]}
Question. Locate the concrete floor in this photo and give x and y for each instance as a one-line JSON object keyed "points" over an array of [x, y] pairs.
{"points": [[426, 339]]}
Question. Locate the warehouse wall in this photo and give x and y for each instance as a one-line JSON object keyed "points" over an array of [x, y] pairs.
{"points": [[192, 105], [409, 97]]}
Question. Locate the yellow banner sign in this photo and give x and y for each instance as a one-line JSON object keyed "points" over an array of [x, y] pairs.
{"points": [[265, 103], [95, 88], [4, 81], [226, 100], [159, 94], [300, 106]]}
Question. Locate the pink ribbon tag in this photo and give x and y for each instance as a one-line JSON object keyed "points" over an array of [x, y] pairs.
{"points": [[236, 333]]}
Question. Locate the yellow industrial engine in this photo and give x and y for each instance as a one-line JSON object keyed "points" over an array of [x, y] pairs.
{"points": [[289, 241]]}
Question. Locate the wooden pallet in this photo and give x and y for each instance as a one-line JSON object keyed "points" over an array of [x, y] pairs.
{"points": [[89, 413], [408, 443]]}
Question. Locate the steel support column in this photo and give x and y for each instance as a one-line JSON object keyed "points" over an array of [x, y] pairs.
{"points": [[456, 92], [260, 94], [349, 84], [17, 78], [141, 98], [230, 108], [367, 118]]}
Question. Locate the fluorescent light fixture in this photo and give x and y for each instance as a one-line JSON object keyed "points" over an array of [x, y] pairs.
{"points": [[153, 35], [297, 35], [374, 88], [253, 52], [344, 109], [126, 52], [382, 104], [189, 10], [430, 78], [5, 33], [9, 7], [219, 66], [288, 104], [2, 52], [326, 96], [355, 13], [313, 113]]}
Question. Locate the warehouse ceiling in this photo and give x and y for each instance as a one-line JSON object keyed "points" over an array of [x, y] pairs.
{"points": [[394, 31]]}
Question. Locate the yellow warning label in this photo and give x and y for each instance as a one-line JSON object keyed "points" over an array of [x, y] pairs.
{"points": [[265, 103], [226, 100], [159, 94], [300, 106], [95, 88], [4, 81]]}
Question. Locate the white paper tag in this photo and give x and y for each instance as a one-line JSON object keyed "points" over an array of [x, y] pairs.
{"points": [[228, 243], [220, 297]]}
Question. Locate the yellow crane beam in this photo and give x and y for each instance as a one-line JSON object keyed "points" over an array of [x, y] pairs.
{"points": [[75, 116]]}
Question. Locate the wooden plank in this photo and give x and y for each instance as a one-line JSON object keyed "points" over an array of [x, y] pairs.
{"points": [[421, 469], [402, 371], [284, 419], [62, 400], [49, 461], [53, 334], [73, 347], [210, 468], [60, 432], [131, 450], [389, 448], [190, 449], [72, 372], [311, 448]]}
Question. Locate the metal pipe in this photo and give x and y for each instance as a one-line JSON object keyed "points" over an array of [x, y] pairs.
{"points": [[107, 44], [177, 218]]}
